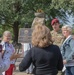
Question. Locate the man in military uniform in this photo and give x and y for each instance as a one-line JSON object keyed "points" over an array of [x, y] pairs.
{"points": [[56, 33]]}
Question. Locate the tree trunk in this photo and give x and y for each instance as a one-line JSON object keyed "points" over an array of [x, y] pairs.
{"points": [[15, 31]]}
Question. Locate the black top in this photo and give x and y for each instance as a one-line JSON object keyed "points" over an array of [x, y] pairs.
{"points": [[47, 60]]}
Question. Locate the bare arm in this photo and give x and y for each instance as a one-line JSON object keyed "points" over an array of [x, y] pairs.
{"points": [[15, 56]]}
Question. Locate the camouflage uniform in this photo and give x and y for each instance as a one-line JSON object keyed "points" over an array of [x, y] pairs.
{"points": [[57, 37]]}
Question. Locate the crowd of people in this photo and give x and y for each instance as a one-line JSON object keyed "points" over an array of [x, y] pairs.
{"points": [[50, 52]]}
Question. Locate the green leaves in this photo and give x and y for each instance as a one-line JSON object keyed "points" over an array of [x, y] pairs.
{"points": [[19, 12], [23, 10], [53, 8]]}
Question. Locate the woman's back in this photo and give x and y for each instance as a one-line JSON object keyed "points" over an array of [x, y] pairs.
{"points": [[45, 56], [47, 60]]}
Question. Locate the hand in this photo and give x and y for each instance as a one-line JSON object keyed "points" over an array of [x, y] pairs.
{"points": [[15, 56], [64, 61], [18, 55]]}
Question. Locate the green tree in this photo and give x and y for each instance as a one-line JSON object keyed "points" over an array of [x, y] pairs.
{"points": [[16, 13]]}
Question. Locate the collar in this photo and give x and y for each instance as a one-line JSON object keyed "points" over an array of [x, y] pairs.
{"points": [[67, 38]]}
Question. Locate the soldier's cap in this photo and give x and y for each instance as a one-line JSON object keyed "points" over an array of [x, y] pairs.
{"points": [[55, 20]]}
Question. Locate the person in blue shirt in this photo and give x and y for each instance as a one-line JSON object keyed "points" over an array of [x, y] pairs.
{"points": [[67, 50], [4, 61]]}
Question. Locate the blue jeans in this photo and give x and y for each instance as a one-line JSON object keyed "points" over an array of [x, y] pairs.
{"points": [[70, 70]]}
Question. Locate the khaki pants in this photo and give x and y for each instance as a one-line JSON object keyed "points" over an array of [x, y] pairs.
{"points": [[60, 73]]}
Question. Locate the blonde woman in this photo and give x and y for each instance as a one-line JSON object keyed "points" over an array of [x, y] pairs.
{"points": [[45, 56], [8, 47], [67, 50]]}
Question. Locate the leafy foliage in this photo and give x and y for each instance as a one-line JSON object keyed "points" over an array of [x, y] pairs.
{"points": [[22, 11]]}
